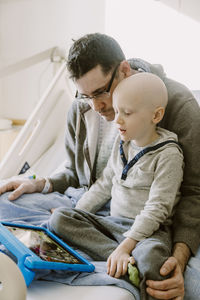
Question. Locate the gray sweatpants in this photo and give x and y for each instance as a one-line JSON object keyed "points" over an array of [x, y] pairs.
{"points": [[98, 236]]}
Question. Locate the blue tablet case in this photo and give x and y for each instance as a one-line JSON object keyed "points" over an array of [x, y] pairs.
{"points": [[29, 261]]}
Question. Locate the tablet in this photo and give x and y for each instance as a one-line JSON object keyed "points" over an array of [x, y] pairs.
{"points": [[37, 248]]}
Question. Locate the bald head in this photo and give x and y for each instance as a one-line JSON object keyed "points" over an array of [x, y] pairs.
{"points": [[143, 88]]}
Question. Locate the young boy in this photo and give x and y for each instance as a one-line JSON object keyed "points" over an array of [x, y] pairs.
{"points": [[142, 178]]}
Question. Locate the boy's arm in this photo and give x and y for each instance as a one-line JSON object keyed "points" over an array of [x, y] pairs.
{"points": [[99, 193], [162, 195]]}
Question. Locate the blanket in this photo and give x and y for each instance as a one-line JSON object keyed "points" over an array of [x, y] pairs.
{"points": [[35, 209]]}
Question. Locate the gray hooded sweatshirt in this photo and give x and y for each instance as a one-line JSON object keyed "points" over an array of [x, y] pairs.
{"points": [[149, 192]]}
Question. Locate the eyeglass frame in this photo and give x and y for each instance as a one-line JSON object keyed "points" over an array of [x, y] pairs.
{"points": [[106, 93]]}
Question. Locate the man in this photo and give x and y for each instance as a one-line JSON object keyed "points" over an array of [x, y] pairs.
{"points": [[97, 64]]}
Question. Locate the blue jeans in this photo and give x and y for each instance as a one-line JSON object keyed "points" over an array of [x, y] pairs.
{"points": [[192, 278], [33, 209]]}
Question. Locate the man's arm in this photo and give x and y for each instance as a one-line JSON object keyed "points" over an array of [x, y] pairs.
{"points": [[182, 254], [183, 117], [68, 176], [60, 181]]}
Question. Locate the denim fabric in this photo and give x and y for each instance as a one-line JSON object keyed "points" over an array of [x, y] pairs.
{"points": [[31, 208], [192, 278]]}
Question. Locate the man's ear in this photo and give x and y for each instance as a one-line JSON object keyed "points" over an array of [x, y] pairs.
{"points": [[125, 69], [158, 114]]}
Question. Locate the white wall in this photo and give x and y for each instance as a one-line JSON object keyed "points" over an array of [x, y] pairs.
{"points": [[159, 33], [165, 32], [190, 8], [28, 27]]}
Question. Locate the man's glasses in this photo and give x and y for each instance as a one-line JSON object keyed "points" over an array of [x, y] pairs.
{"points": [[103, 94]]}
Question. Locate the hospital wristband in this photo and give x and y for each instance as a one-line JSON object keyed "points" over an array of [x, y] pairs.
{"points": [[32, 176], [46, 186]]}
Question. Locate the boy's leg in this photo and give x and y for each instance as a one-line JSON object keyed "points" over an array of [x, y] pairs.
{"points": [[95, 235], [150, 254]]}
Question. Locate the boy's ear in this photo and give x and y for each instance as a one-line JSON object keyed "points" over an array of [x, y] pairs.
{"points": [[158, 114]]}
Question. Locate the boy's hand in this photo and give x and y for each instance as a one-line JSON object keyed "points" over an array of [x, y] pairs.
{"points": [[117, 263]]}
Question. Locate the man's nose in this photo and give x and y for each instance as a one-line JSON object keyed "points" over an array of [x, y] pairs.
{"points": [[97, 105]]}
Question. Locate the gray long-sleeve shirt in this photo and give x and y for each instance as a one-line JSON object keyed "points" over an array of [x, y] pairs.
{"points": [[150, 191]]}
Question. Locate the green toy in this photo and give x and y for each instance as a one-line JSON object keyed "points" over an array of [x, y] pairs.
{"points": [[133, 275]]}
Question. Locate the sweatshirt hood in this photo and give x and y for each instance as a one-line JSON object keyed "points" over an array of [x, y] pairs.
{"points": [[144, 66], [164, 135]]}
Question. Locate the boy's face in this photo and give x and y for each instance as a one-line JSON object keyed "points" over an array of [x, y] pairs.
{"points": [[95, 83], [133, 118]]}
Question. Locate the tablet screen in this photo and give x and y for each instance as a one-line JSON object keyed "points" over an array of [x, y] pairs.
{"points": [[43, 245]]}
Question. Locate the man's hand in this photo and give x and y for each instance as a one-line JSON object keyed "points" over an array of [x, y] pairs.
{"points": [[21, 186], [172, 288]]}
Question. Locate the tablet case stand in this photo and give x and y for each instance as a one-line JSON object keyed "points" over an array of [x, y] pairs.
{"points": [[28, 262]]}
